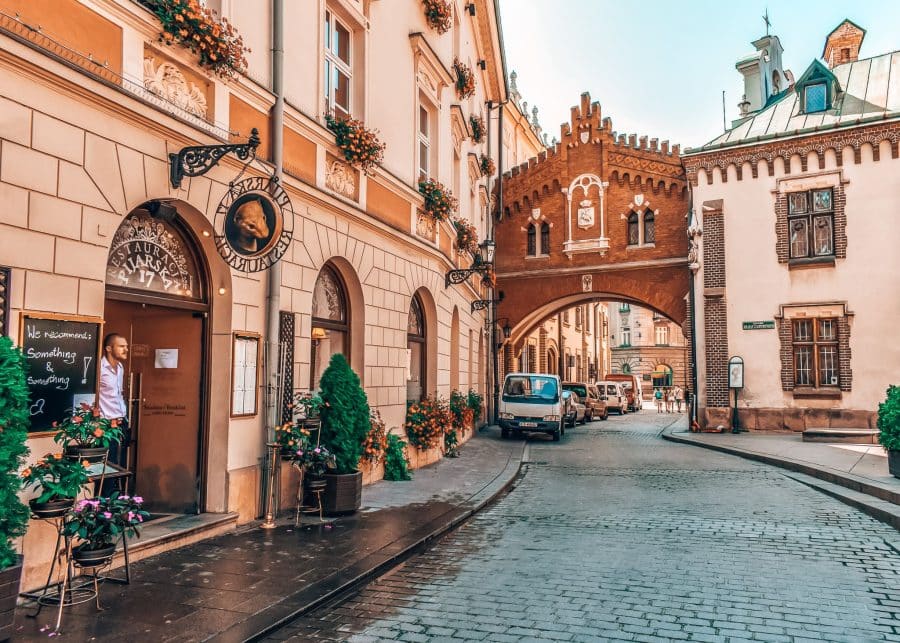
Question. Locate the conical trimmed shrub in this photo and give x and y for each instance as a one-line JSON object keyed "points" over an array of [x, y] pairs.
{"points": [[345, 414], [14, 421]]}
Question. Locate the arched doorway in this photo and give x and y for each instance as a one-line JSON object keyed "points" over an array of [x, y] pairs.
{"points": [[157, 298], [330, 323], [552, 361], [416, 351], [662, 376]]}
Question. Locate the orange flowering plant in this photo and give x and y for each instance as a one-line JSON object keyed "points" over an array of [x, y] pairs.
{"points": [[478, 128], [87, 429], [361, 147], [56, 476], [465, 79], [427, 422], [487, 165], [216, 43], [466, 236], [376, 439], [440, 204], [438, 15]]}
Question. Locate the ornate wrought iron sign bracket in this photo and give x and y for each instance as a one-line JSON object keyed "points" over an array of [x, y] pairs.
{"points": [[482, 304], [484, 264], [197, 160]]}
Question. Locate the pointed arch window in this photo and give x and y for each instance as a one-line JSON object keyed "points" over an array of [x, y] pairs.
{"points": [[545, 238], [532, 241], [649, 227], [330, 323], [634, 234]]}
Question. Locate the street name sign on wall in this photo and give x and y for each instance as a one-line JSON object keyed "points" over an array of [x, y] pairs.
{"points": [[759, 325], [61, 354]]}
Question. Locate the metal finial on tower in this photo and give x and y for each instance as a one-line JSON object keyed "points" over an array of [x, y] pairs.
{"points": [[766, 20]]}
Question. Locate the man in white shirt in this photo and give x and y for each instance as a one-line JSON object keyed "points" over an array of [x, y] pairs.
{"points": [[112, 398]]}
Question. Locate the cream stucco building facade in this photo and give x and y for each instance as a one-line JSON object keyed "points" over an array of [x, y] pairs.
{"points": [[91, 107], [794, 243]]}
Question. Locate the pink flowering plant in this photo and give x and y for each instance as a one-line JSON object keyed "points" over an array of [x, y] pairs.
{"points": [[100, 521], [315, 461], [87, 429]]}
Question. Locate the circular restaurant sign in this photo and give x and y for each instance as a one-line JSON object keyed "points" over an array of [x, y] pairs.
{"points": [[254, 224]]}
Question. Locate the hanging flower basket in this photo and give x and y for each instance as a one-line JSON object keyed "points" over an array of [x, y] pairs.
{"points": [[438, 15], [487, 165], [361, 147], [440, 204], [465, 79], [466, 236], [216, 43], [478, 128]]}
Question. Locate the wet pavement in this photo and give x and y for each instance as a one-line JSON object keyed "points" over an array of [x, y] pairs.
{"points": [[615, 534], [237, 585]]}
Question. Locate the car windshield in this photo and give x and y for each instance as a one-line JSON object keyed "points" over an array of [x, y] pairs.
{"points": [[530, 388], [611, 389], [580, 389]]}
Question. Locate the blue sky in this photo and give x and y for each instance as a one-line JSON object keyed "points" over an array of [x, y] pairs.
{"points": [[659, 67]]}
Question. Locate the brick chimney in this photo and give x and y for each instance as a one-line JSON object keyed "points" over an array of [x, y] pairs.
{"points": [[842, 45]]}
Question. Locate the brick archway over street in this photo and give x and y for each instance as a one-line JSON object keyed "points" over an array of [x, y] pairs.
{"points": [[608, 219]]}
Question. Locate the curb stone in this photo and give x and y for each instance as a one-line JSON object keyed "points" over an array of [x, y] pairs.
{"points": [[374, 565]]}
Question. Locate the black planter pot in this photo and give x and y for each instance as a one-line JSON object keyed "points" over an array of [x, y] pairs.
{"points": [[51, 508], [343, 493], [894, 462], [9, 591], [93, 557], [91, 454]]}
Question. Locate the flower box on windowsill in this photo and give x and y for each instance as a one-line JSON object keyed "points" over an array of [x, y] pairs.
{"points": [[811, 262], [809, 392]]}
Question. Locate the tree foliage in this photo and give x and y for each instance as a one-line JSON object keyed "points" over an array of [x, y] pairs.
{"points": [[396, 466], [345, 414], [889, 419], [13, 432]]}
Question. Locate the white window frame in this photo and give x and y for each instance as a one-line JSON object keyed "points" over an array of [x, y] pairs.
{"points": [[662, 335], [333, 61], [424, 139], [626, 337]]}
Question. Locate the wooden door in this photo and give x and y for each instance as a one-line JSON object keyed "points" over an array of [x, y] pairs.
{"points": [[165, 367]]}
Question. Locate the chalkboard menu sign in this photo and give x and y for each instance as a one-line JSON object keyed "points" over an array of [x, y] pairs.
{"points": [[62, 355]]}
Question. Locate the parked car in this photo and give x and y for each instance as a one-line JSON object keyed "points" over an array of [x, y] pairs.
{"points": [[633, 388], [574, 409], [614, 395], [590, 396], [532, 403]]}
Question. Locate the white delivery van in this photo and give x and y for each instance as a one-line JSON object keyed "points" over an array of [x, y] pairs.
{"points": [[532, 403]]}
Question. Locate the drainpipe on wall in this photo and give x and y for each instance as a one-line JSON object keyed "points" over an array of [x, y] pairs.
{"points": [[695, 397], [494, 347], [273, 296]]}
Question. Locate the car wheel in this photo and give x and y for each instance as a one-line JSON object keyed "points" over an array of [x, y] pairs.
{"points": [[559, 432], [584, 419], [605, 415], [504, 433], [589, 417], [517, 435]]}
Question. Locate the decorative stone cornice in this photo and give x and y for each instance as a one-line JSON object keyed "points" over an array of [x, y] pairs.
{"points": [[835, 140]]}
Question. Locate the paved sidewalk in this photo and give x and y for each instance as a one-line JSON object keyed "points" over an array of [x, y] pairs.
{"points": [[855, 473], [236, 586]]}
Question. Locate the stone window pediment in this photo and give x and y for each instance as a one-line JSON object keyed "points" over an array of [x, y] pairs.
{"points": [[431, 74]]}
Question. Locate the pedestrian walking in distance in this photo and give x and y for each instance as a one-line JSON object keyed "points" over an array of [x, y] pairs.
{"points": [[670, 401], [658, 396], [679, 397]]}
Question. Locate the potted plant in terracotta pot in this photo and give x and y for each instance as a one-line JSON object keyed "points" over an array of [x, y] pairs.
{"points": [[345, 423], [13, 431], [99, 522], [86, 435], [59, 479], [889, 428]]}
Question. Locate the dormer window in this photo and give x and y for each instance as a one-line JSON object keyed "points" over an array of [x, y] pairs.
{"points": [[817, 89], [815, 98]]}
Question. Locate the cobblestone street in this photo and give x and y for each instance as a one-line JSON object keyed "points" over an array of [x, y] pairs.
{"points": [[615, 534]]}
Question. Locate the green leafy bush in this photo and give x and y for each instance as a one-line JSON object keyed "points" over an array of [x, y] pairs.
{"points": [[345, 414], [13, 432], [396, 466], [474, 401], [56, 476], [889, 419]]}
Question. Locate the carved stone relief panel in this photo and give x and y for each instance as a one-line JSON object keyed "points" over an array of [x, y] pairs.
{"points": [[168, 82]]}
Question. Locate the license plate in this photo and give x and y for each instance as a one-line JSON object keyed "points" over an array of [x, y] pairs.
{"points": [[527, 423]]}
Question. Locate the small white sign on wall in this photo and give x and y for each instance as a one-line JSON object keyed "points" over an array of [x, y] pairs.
{"points": [[166, 358]]}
